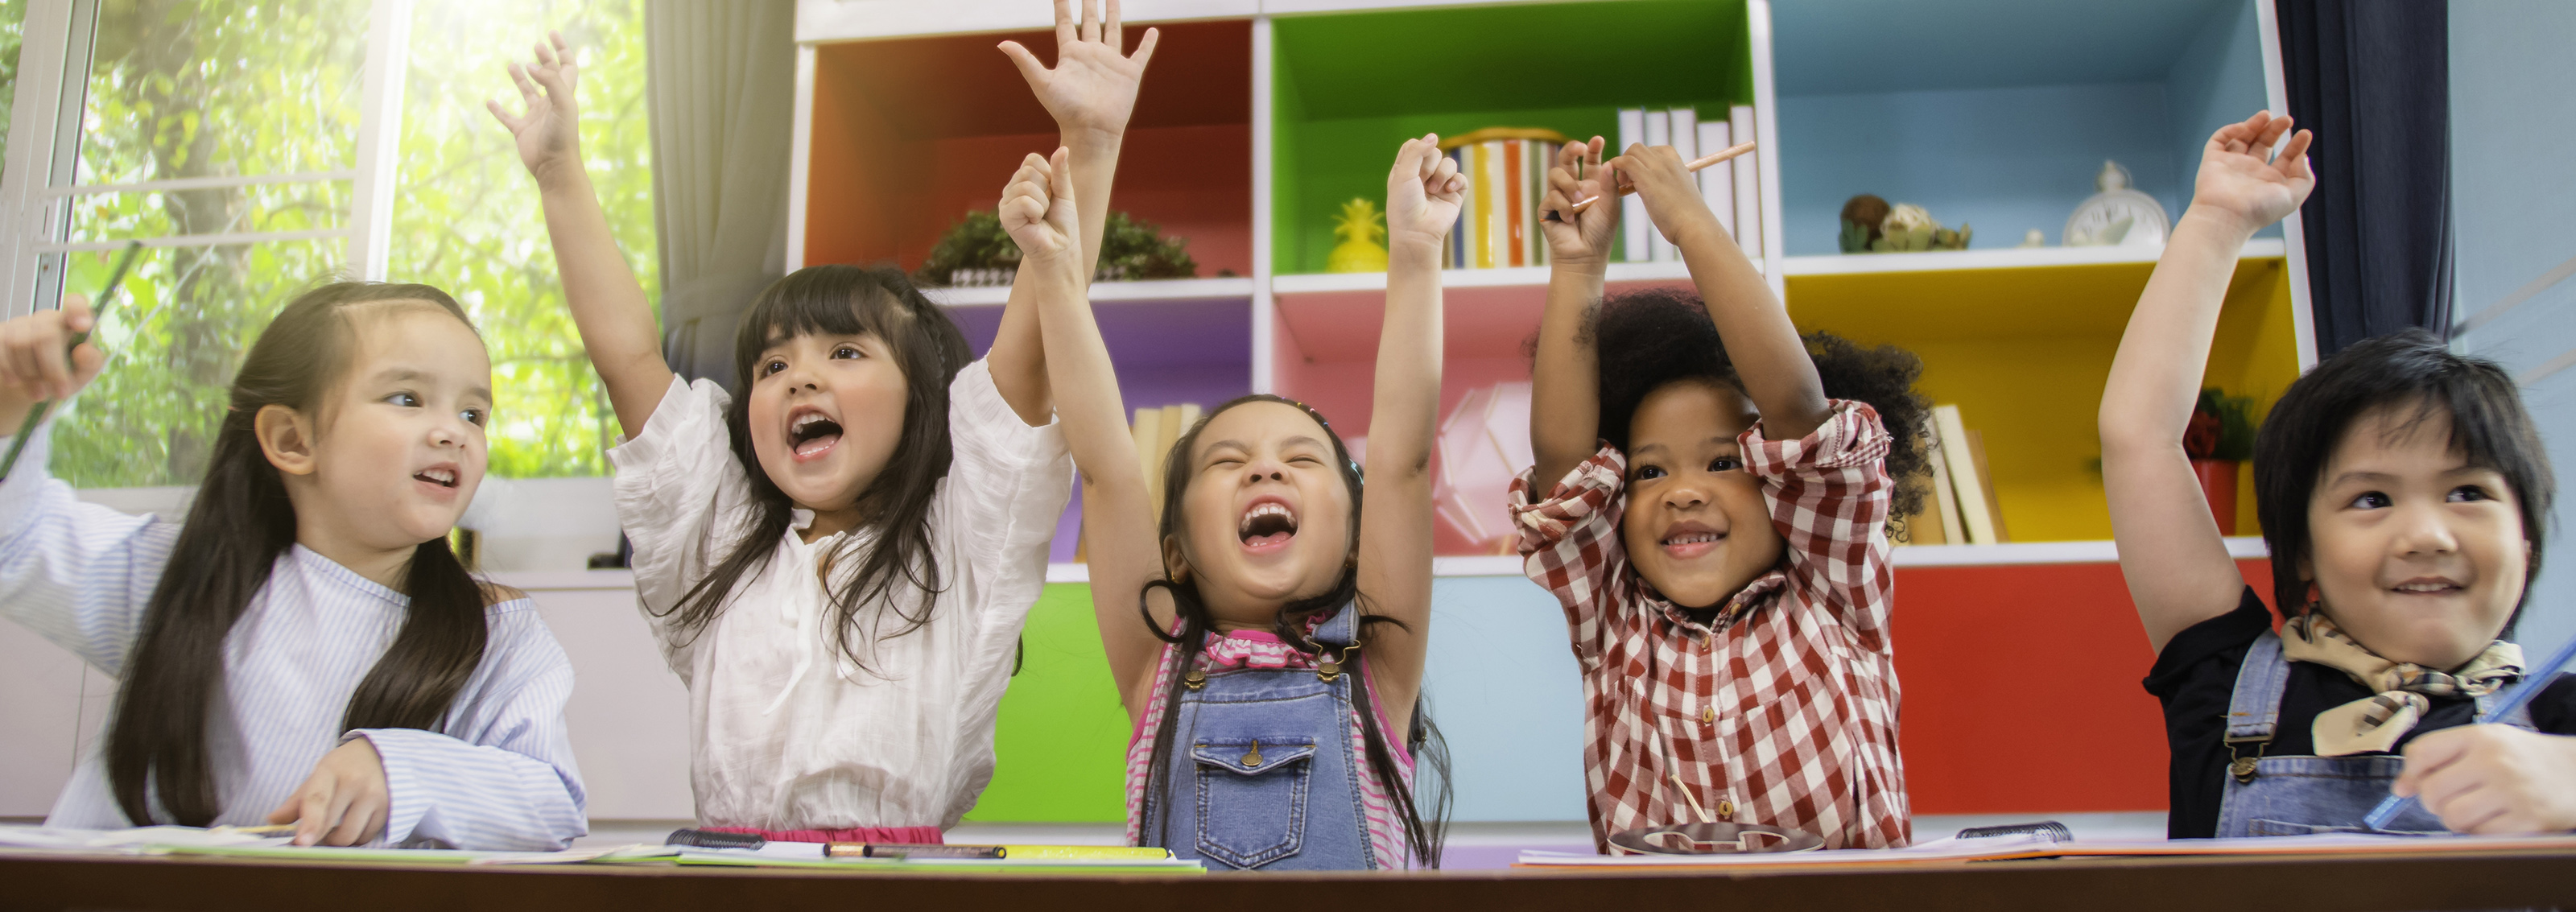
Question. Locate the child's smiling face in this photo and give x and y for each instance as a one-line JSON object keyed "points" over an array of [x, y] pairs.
{"points": [[825, 412], [1696, 527], [399, 447], [2417, 554], [1265, 519]]}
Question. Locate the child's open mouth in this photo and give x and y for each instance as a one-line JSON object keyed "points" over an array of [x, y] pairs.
{"points": [[811, 434], [1267, 526], [1687, 540], [441, 476]]}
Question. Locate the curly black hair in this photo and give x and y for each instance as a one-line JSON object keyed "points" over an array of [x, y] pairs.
{"points": [[1655, 336]]}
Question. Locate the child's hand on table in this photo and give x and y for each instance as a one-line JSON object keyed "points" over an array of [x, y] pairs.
{"points": [[2242, 183], [37, 362], [1423, 193], [1582, 239], [549, 133], [1038, 210], [1092, 87], [343, 803], [1672, 197], [2490, 779]]}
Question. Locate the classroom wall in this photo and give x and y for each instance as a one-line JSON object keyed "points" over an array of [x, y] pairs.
{"points": [[2512, 122]]}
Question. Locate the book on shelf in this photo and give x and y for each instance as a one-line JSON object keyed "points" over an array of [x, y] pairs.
{"points": [[1717, 185], [1986, 480], [1748, 183], [1976, 510], [1659, 132], [1950, 529], [1633, 227], [1506, 171]]}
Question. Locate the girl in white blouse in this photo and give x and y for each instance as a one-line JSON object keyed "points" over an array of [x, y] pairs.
{"points": [[304, 648], [838, 554]]}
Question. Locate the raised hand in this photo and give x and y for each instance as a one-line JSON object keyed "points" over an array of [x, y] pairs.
{"points": [[1093, 86], [1672, 195], [37, 360], [548, 129], [344, 802], [1580, 175], [2242, 179], [1423, 193], [1038, 210]]}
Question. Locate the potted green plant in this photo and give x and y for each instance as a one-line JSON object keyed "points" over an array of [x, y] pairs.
{"points": [[2220, 436]]}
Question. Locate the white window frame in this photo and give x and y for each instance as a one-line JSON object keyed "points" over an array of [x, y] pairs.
{"points": [[50, 103]]}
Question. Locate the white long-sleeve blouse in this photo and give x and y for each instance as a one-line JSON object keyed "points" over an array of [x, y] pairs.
{"points": [[498, 774], [786, 733]]}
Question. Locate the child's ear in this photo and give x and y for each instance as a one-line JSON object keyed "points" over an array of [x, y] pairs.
{"points": [[1176, 563], [286, 437]]}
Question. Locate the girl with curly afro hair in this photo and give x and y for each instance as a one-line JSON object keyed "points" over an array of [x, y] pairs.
{"points": [[1711, 505]]}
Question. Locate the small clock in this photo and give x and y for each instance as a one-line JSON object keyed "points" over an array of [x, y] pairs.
{"points": [[2117, 214]]}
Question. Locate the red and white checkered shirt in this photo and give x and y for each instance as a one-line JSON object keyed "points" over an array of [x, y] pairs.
{"points": [[1783, 711]]}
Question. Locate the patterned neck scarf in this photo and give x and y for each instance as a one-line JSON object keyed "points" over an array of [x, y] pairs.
{"points": [[2375, 723]]}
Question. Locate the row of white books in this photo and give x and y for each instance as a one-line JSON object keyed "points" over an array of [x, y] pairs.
{"points": [[1733, 189]]}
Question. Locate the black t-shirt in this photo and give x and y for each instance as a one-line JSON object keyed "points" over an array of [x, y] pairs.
{"points": [[2196, 674]]}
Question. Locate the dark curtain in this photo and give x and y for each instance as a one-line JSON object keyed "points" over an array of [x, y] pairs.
{"points": [[2372, 78]]}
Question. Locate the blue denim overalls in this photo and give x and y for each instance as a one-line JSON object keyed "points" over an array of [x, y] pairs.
{"points": [[2290, 796], [1260, 772]]}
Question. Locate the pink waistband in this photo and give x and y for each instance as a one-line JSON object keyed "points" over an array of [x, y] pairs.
{"points": [[913, 835]]}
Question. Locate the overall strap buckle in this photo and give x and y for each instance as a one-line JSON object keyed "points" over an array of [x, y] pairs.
{"points": [[2243, 767]]}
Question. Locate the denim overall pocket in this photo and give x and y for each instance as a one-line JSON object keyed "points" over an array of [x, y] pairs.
{"points": [[1252, 797]]}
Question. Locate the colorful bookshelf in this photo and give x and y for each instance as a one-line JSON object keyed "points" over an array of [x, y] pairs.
{"points": [[1260, 118]]}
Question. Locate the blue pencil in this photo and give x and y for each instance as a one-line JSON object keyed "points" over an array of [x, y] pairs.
{"points": [[2534, 680]]}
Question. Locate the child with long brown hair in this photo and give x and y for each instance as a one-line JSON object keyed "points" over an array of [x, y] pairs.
{"points": [[304, 648]]}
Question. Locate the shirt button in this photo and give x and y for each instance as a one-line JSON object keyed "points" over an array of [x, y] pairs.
{"points": [[1707, 715], [1725, 810]]}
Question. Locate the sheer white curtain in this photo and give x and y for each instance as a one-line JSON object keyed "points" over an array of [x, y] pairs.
{"points": [[721, 86]]}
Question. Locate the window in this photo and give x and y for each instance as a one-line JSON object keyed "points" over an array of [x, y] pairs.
{"points": [[244, 143]]}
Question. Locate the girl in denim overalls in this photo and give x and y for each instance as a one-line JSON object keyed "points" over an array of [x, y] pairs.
{"points": [[2403, 493], [1275, 676]]}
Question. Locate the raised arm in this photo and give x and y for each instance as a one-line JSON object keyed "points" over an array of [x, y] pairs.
{"points": [[2170, 551], [617, 325], [1565, 388], [1423, 192], [1770, 359], [1091, 92], [1118, 524]]}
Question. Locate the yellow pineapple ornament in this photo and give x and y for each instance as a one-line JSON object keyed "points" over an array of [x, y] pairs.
{"points": [[1363, 246]]}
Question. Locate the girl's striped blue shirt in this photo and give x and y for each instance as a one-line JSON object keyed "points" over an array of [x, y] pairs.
{"points": [[497, 775]]}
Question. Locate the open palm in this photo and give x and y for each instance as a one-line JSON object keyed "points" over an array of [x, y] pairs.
{"points": [[548, 130], [2240, 176], [1092, 86]]}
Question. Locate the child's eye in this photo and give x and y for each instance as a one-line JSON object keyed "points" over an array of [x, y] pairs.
{"points": [[772, 366], [1725, 464], [2468, 494], [848, 351], [1645, 473], [2373, 500], [473, 416], [405, 400]]}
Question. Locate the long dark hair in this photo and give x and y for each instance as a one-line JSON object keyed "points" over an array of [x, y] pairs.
{"points": [[1423, 835], [240, 524], [929, 349], [2405, 370]]}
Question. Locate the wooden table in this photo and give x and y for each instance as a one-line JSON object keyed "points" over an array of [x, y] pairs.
{"points": [[2448, 881]]}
